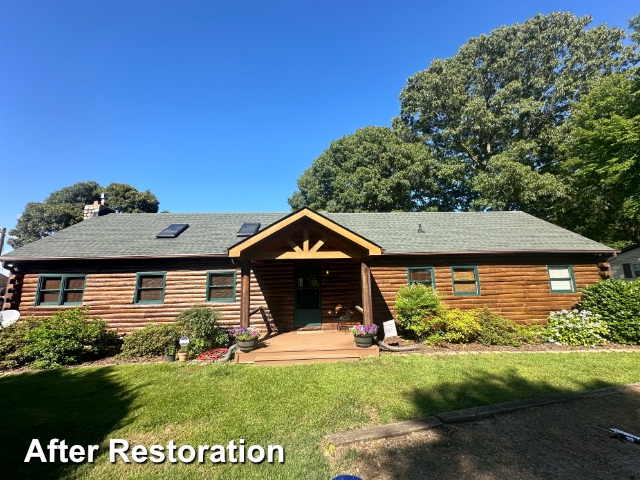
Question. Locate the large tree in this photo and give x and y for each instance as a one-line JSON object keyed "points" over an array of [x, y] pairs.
{"points": [[378, 170], [65, 207], [492, 120], [499, 105], [604, 171]]}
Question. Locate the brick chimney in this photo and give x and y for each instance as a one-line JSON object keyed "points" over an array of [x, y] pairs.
{"points": [[98, 209]]}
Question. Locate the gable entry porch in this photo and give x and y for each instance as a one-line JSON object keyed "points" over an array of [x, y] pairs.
{"points": [[310, 271]]}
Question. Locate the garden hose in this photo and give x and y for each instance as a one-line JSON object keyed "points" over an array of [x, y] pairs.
{"points": [[398, 349]]}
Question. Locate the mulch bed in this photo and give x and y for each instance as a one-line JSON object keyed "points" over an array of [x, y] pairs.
{"points": [[476, 347]]}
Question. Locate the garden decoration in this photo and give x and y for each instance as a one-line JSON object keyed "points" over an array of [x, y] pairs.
{"points": [[247, 338], [183, 353], [364, 335]]}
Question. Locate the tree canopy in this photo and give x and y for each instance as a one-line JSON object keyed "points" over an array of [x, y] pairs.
{"points": [[65, 207], [490, 128], [377, 170], [604, 171]]}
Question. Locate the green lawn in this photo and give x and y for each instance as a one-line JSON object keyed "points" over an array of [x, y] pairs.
{"points": [[291, 406]]}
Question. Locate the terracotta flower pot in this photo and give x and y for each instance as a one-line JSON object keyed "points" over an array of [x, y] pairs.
{"points": [[363, 342], [247, 345], [182, 356]]}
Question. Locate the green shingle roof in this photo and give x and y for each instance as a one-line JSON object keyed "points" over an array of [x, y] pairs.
{"points": [[134, 234]]}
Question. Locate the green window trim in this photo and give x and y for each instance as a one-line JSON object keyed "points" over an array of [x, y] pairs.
{"points": [[433, 276], [571, 278], [139, 289], [213, 273], [61, 290], [476, 279]]}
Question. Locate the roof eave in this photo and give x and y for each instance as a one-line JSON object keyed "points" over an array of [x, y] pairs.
{"points": [[472, 252]]}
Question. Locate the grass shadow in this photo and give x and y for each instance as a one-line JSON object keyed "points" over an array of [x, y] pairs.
{"points": [[540, 445], [80, 406], [486, 388]]}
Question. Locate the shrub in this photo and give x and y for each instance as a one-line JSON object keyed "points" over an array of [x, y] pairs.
{"points": [[576, 328], [200, 324], [498, 330], [618, 303], [150, 341], [12, 343], [65, 337], [454, 326], [417, 307]]}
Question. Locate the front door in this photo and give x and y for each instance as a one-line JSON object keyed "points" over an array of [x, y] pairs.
{"points": [[307, 296]]}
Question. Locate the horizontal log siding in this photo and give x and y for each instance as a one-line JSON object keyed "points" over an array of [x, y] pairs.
{"points": [[516, 286], [109, 292]]}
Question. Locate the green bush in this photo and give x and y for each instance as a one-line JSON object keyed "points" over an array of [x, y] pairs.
{"points": [[66, 337], [200, 324], [618, 304], [576, 328], [150, 341], [454, 326], [498, 330], [12, 343], [417, 309]]}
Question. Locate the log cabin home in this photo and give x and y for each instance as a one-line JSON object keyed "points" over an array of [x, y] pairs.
{"points": [[305, 268]]}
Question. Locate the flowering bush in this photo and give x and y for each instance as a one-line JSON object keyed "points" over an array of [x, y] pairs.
{"points": [[362, 331], [576, 328], [243, 333]]}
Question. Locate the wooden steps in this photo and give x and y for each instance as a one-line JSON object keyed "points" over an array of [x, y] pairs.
{"points": [[292, 349]]}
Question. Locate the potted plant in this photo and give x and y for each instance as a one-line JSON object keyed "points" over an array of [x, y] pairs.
{"points": [[171, 353], [364, 335], [247, 338], [183, 353]]}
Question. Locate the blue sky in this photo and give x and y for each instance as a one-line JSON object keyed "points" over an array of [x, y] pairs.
{"points": [[214, 106]]}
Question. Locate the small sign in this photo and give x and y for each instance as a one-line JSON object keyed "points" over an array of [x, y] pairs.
{"points": [[184, 341], [390, 328]]}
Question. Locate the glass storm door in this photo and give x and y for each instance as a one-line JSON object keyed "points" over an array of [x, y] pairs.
{"points": [[307, 297]]}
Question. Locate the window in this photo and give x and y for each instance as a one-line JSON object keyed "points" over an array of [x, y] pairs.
{"points": [[172, 231], [421, 275], [221, 286], [60, 289], [465, 280], [150, 287], [631, 270], [561, 279], [248, 229]]}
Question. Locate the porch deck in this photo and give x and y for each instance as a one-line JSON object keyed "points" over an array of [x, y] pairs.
{"points": [[306, 346]]}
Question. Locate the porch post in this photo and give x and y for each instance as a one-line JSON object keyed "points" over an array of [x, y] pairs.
{"points": [[245, 293], [367, 304]]}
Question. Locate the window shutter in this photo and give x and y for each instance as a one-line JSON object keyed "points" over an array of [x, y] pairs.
{"points": [[627, 270]]}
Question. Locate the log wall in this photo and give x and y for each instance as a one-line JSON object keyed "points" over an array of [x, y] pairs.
{"points": [[515, 286]]}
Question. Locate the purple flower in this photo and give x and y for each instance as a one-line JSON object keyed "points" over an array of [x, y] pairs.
{"points": [[362, 331]]}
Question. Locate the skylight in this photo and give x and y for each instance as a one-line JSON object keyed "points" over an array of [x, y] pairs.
{"points": [[248, 229], [172, 231]]}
